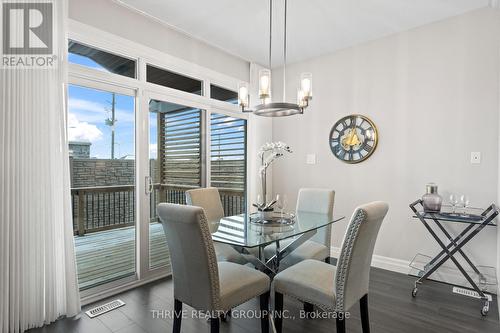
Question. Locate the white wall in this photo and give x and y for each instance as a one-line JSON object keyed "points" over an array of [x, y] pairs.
{"points": [[433, 93], [111, 17]]}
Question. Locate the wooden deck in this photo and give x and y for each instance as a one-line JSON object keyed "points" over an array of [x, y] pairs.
{"points": [[110, 255]]}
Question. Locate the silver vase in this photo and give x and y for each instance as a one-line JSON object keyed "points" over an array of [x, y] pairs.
{"points": [[432, 200]]}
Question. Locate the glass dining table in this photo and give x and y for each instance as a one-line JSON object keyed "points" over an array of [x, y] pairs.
{"points": [[250, 239]]}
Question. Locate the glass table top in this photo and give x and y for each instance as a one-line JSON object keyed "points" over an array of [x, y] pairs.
{"points": [[238, 230], [471, 215]]}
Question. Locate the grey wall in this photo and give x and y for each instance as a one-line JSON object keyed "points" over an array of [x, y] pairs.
{"points": [[109, 16], [87, 172], [433, 93]]}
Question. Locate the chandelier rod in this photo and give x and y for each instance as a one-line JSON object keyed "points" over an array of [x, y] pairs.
{"points": [[270, 31], [284, 53]]}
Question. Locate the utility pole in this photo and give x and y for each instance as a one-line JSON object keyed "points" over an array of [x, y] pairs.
{"points": [[111, 123]]}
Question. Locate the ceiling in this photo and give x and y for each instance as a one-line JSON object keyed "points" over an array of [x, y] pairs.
{"points": [[315, 27]]}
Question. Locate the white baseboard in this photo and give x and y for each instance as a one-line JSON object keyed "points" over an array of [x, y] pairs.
{"points": [[444, 273], [403, 266], [390, 264]]}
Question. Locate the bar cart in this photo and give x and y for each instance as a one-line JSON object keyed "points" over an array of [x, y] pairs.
{"points": [[474, 224]]}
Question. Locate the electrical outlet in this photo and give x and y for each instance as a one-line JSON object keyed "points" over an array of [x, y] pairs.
{"points": [[475, 157], [311, 159]]}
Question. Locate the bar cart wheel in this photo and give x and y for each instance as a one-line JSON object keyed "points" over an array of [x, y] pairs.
{"points": [[414, 292], [486, 308]]}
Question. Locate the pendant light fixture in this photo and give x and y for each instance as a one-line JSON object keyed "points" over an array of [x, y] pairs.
{"points": [[268, 108]]}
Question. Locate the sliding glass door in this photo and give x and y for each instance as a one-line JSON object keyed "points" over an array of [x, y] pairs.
{"points": [[175, 165], [143, 131], [101, 131], [184, 146], [190, 147]]}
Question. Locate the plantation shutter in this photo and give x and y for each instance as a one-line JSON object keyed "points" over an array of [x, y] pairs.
{"points": [[228, 161], [182, 148]]}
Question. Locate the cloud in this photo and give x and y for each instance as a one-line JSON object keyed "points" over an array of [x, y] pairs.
{"points": [[153, 149], [82, 131], [94, 112], [86, 105]]}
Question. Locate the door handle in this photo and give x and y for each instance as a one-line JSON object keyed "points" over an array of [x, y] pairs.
{"points": [[148, 185]]}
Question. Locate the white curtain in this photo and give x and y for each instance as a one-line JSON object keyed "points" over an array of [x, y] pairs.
{"points": [[37, 261]]}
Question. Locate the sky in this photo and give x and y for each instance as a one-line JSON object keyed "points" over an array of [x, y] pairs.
{"points": [[88, 111]]}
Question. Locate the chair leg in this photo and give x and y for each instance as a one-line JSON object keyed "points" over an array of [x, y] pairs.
{"points": [[214, 325], [340, 323], [264, 309], [278, 311], [177, 316], [365, 321], [308, 309]]}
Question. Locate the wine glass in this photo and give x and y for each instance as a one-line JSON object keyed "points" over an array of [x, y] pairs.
{"points": [[453, 202], [464, 202], [280, 204], [259, 200]]}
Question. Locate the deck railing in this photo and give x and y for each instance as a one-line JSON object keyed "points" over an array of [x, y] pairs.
{"points": [[102, 208]]}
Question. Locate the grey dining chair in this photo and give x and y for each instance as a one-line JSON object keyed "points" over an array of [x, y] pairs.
{"points": [[209, 199], [336, 288], [199, 280], [310, 200]]}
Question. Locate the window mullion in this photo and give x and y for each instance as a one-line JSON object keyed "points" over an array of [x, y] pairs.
{"points": [[208, 149]]}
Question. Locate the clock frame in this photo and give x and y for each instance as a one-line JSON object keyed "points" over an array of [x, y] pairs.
{"points": [[353, 138]]}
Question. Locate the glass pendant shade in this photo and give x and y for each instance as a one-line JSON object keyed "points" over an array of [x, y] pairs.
{"points": [[243, 97], [301, 101], [264, 83], [306, 84]]}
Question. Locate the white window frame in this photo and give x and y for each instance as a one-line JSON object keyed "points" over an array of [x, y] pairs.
{"points": [[143, 91]]}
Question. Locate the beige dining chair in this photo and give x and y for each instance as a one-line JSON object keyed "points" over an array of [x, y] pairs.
{"points": [[336, 288], [209, 199], [199, 280], [310, 200]]}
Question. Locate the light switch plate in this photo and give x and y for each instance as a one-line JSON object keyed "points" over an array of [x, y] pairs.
{"points": [[475, 157], [311, 159]]}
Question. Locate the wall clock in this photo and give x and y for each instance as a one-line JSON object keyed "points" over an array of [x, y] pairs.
{"points": [[353, 138]]}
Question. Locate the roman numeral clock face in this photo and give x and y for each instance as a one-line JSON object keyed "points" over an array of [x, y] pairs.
{"points": [[353, 138]]}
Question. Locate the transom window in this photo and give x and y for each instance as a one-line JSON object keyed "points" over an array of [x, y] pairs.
{"points": [[223, 94], [173, 80], [87, 56]]}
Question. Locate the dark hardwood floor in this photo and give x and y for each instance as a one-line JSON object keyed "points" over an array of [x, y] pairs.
{"points": [[392, 309]]}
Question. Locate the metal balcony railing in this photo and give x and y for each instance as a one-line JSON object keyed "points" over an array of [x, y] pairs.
{"points": [[102, 208]]}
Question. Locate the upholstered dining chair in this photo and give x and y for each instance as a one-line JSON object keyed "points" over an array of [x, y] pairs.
{"points": [[310, 200], [209, 199], [199, 280], [336, 288]]}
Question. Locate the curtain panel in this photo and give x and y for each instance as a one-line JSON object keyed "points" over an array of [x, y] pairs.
{"points": [[37, 261]]}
